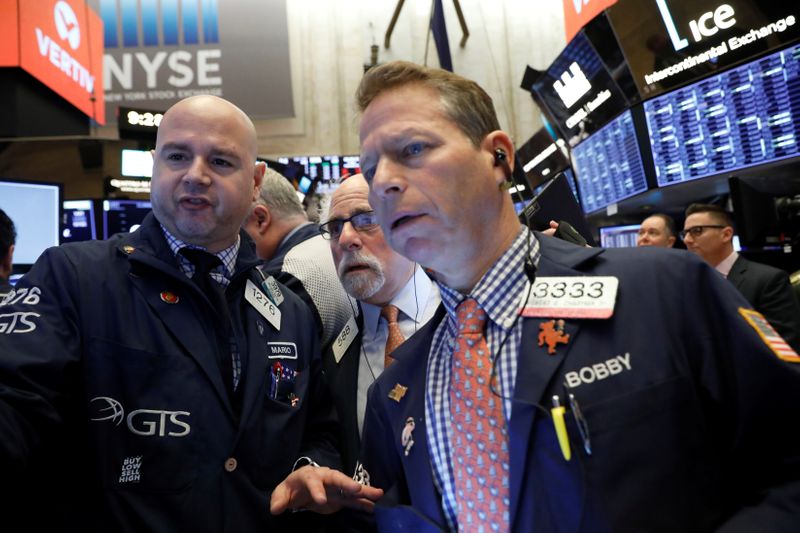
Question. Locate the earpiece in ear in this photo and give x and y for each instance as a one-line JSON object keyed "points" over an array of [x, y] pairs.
{"points": [[501, 159]]}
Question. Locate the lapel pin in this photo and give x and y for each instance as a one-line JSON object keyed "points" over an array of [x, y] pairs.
{"points": [[407, 437], [128, 249], [169, 297], [397, 392], [552, 334]]}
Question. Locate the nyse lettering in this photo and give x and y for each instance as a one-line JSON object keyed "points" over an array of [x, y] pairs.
{"points": [[150, 422], [184, 69]]}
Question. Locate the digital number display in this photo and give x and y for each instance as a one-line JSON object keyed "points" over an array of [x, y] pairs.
{"points": [[743, 117], [608, 165]]}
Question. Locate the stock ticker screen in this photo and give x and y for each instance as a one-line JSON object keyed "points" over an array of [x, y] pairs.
{"points": [[746, 116], [608, 165]]}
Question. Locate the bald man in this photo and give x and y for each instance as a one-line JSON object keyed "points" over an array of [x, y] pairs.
{"points": [[150, 382]]}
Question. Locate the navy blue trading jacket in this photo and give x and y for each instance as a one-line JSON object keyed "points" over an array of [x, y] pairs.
{"points": [[692, 418], [112, 406]]}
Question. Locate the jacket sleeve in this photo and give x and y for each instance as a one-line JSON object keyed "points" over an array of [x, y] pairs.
{"points": [[40, 346], [777, 303], [320, 436], [752, 400]]}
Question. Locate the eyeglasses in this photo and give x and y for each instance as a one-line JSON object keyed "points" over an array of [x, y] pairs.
{"points": [[332, 229], [696, 231]]}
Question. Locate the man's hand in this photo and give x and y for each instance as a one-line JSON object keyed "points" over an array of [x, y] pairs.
{"points": [[322, 490], [551, 231]]}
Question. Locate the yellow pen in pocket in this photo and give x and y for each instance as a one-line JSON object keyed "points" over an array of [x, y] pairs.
{"points": [[557, 412]]}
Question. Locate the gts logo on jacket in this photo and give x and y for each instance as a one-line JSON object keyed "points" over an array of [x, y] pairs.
{"points": [[143, 422]]}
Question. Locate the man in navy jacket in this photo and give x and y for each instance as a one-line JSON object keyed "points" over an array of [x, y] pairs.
{"points": [[131, 400], [637, 390]]}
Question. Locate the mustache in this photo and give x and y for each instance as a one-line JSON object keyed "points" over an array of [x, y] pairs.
{"points": [[357, 258]]}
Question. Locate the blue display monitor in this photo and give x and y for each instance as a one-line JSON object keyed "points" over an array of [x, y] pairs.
{"points": [[746, 116], [123, 216], [608, 165], [35, 209], [79, 221], [619, 236]]}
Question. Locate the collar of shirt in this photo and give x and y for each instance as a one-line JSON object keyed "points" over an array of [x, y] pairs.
{"points": [[726, 265], [289, 235], [221, 274], [411, 301], [499, 290]]}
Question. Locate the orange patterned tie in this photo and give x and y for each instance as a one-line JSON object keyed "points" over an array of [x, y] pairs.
{"points": [[395, 337], [480, 466]]}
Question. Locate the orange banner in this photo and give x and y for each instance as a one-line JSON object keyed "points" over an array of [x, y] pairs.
{"points": [[9, 39], [61, 44], [578, 12]]}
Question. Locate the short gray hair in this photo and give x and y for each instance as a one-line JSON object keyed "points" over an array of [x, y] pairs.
{"points": [[279, 195]]}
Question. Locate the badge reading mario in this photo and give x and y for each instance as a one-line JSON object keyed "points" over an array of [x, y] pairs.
{"points": [[552, 333], [770, 337]]}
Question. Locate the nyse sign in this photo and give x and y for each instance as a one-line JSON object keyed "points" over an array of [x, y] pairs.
{"points": [[157, 53]]}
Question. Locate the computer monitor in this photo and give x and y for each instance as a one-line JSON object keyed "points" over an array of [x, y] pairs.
{"points": [[137, 163], [35, 209], [123, 216], [737, 119], [79, 222], [619, 236], [609, 166]]}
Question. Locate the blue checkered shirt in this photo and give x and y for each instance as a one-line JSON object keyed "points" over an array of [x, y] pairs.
{"points": [[499, 293], [221, 274]]}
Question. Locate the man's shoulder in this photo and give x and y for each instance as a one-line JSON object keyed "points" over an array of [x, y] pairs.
{"points": [[754, 268]]}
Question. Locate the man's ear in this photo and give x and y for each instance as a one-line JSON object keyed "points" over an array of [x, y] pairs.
{"points": [[258, 176], [499, 140], [727, 233], [8, 261], [262, 217]]}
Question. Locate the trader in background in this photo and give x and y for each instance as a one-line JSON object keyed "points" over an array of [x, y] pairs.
{"points": [[8, 236], [395, 296], [296, 254], [708, 232], [657, 230], [149, 380], [559, 388]]}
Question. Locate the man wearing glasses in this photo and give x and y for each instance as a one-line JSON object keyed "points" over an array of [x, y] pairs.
{"points": [[394, 293], [708, 232]]}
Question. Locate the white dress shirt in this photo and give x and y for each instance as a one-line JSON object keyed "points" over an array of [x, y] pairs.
{"points": [[417, 302]]}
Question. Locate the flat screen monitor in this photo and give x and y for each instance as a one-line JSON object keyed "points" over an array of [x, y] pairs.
{"points": [[619, 236], [740, 118], [669, 43], [542, 157], [137, 163], [35, 209], [556, 201], [579, 91], [608, 165], [79, 222], [123, 216]]}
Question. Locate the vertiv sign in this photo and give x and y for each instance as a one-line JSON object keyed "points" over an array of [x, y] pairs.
{"points": [[59, 43]]}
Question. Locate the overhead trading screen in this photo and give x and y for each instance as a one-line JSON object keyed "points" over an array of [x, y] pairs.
{"points": [[609, 165], [743, 117]]}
